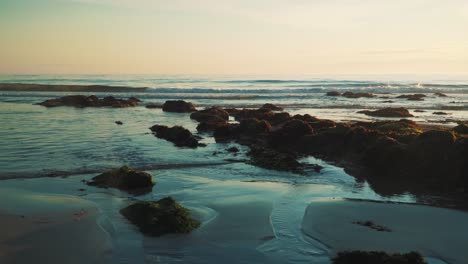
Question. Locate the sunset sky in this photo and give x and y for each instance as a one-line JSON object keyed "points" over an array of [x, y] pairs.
{"points": [[234, 37]]}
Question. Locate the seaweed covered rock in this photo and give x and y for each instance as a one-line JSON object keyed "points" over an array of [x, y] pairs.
{"points": [[82, 101], [161, 217], [388, 112], [376, 257], [271, 107], [178, 135], [178, 106], [400, 127], [124, 178]]}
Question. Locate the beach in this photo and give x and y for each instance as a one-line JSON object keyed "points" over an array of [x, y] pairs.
{"points": [[271, 216]]}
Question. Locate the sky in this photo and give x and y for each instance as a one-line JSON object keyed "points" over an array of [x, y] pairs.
{"points": [[303, 37]]}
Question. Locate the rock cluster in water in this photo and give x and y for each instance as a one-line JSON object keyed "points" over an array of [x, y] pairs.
{"points": [[81, 101], [388, 112], [124, 178], [178, 106], [161, 217]]}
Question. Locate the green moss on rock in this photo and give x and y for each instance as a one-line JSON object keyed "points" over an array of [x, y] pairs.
{"points": [[375, 257], [161, 217], [124, 178]]}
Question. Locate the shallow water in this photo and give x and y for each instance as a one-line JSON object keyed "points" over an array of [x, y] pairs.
{"points": [[243, 208]]}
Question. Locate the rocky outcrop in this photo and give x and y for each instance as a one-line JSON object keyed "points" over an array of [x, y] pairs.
{"points": [[374, 257], [82, 101], [413, 97], [439, 113], [178, 106], [124, 178], [162, 217], [178, 135], [333, 93], [461, 129], [271, 107], [357, 95], [214, 113], [388, 112], [440, 94]]}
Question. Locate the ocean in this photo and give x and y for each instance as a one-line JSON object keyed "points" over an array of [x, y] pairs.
{"points": [[50, 150]]}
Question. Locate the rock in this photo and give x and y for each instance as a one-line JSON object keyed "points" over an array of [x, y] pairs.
{"points": [[388, 112], [373, 226], [461, 129], [269, 158], [419, 111], [226, 133], [440, 94], [440, 113], [210, 126], [253, 126], [161, 217], [209, 114], [333, 93], [233, 149], [153, 105], [81, 101], [124, 178], [178, 135], [251, 113], [179, 106], [400, 127], [271, 107], [388, 101], [291, 131], [306, 117], [278, 118], [119, 122], [357, 95], [374, 257], [322, 124], [413, 97]]}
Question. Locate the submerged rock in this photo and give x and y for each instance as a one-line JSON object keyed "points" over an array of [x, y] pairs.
{"points": [[440, 94], [178, 135], [439, 113], [81, 101], [375, 257], [413, 97], [164, 216], [124, 178], [357, 95], [388, 112], [178, 106], [271, 107], [333, 93]]}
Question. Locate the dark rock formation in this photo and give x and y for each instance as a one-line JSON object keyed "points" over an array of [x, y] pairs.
{"points": [[179, 106], [272, 159], [333, 93], [357, 95], [178, 135], [253, 126], [119, 122], [373, 226], [233, 149], [271, 107], [81, 101], [440, 113], [440, 94], [124, 178], [374, 257], [161, 217], [388, 112], [290, 132], [413, 97], [209, 114], [461, 129]]}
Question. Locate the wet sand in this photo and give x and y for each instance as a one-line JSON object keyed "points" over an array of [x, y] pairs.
{"points": [[436, 233]]}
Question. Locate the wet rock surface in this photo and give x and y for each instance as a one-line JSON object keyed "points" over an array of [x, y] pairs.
{"points": [[178, 135], [413, 97], [156, 218], [124, 178], [178, 106], [388, 112], [81, 101]]}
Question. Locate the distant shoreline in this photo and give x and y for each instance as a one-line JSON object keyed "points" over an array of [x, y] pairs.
{"points": [[30, 87]]}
